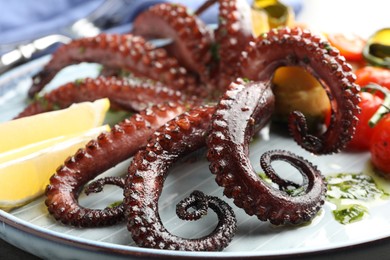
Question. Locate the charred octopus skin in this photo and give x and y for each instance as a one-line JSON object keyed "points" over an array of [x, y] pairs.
{"points": [[122, 142], [296, 47], [145, 182], [244, 109]]}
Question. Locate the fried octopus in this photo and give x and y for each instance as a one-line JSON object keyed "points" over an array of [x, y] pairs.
{"points": [[200, 66]]}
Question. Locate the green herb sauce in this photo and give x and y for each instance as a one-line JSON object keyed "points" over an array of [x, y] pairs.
{"points": [[356, 188], [350, 213], [115, 204], [347, 191], [290, 190]]}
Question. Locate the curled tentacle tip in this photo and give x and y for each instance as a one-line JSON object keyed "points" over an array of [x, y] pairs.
{"points": [[94, 187], [304, 200], [197, 201], [298, 128], [98, 185]]}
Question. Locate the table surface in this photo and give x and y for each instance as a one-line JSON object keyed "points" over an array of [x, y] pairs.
{"points": [[8, 251], [315, 11]]}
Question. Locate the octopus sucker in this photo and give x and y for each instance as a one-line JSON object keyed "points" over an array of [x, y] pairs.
{"points": [[125, 139], [124, 93], [293, 47], [145, 180], [228, 154]]}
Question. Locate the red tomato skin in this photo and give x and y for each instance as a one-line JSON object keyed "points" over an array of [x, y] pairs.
{"points": [[369, 74], [350, 46], [369, 104], [380, 146]]}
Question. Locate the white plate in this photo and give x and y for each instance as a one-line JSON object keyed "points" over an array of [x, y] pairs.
{"points": [[32, 229]]}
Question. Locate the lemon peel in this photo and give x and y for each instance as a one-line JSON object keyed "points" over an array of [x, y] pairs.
{"points": [[77, 118]]}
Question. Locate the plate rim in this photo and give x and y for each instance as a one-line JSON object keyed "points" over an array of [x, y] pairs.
{"points": [[138, 252]]}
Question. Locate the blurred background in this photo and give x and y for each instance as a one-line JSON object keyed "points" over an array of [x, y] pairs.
{"points": [[23, 21]]}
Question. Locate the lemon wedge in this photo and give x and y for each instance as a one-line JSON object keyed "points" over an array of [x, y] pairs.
{"points": [[24, 175], [268, 14], [259, 22], [75, 119], [297, 89]]}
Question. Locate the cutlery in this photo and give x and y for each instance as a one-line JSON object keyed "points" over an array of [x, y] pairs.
{"points": [[110, 14]]}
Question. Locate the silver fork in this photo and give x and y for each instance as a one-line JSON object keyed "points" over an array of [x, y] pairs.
{"points": [[91, 25]]}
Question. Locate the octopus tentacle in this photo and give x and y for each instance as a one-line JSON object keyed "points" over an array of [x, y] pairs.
{"points": [[244, 109], [295, 47], [127, 51], [200, 202], [233, 34], [97, 185], [301, 207], [123, 141], [123, 93], [197, 201], [192, 39], [145, 180]]}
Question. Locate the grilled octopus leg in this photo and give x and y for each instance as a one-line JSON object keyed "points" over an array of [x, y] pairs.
{"points": [[123, 93], [191, 38], [243, 110], [145, 181], [126, 51], [122, 142], [233, 34], [295, 47]]}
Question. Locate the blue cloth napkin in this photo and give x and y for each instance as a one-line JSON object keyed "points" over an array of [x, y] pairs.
{"points": [[27, 20]]}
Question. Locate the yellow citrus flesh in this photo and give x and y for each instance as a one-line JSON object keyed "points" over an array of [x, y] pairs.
{"points": [[25, 177], [259, 22], [297, 89], [75, 119], [31, 148], [269, 14]]}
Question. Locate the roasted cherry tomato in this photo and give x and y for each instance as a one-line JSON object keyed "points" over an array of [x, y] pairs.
{"points": [[380, 146], [350, 45], [369, 104], [369, 74]]}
